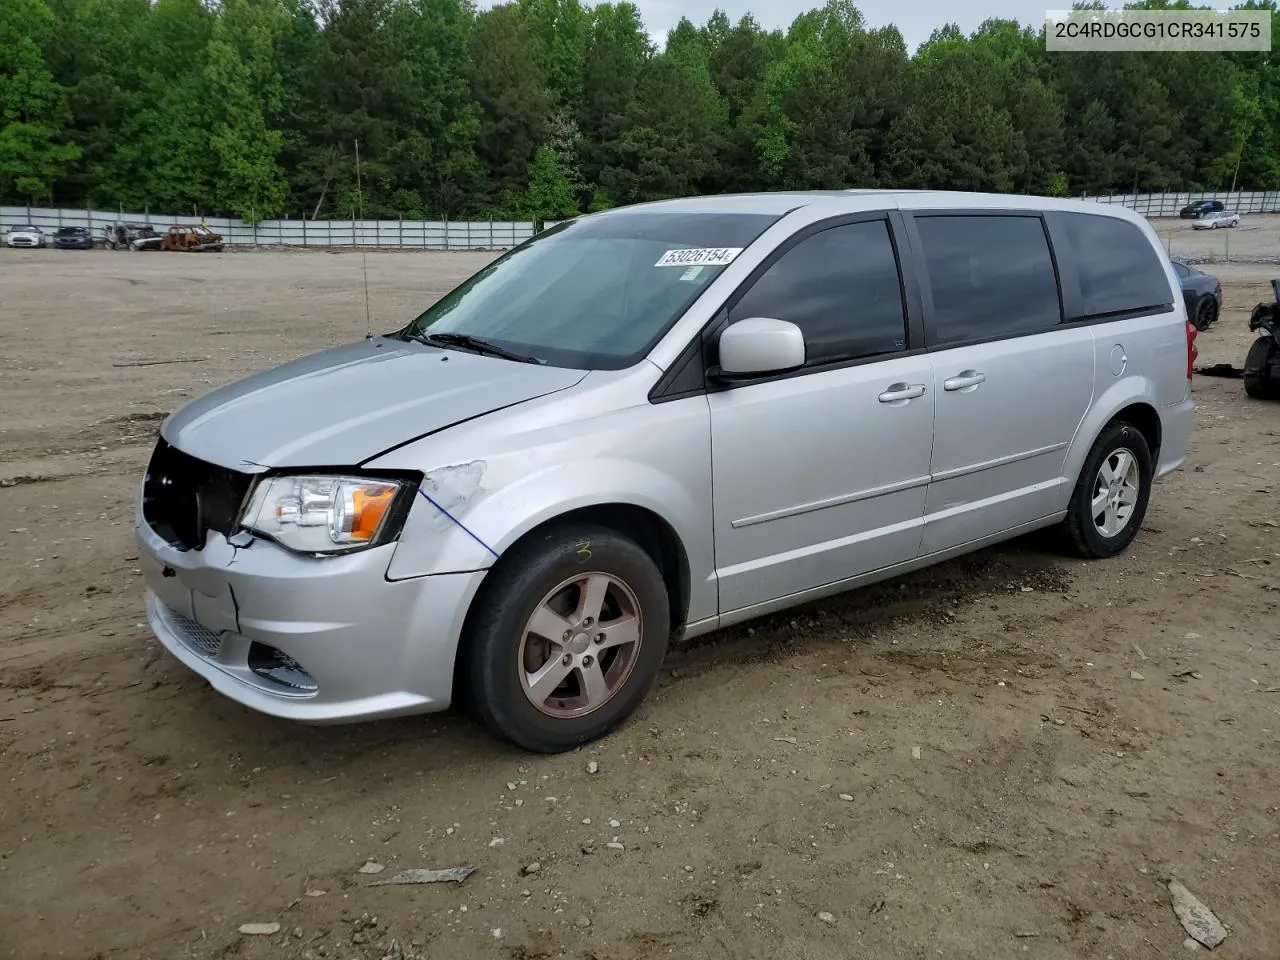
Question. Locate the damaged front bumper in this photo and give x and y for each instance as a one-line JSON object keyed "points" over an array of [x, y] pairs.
{"points": [[312, 639]]}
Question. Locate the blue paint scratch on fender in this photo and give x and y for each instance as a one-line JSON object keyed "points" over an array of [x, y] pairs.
{"points": [[426, 496]]}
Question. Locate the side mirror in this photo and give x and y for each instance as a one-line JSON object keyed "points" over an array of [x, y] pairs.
{"points": [[760, 345]]}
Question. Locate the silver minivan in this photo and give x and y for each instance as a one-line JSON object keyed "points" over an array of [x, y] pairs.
{"points": [[654, 422]]}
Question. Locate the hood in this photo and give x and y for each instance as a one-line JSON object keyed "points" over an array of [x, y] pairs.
{"points": [[349, 404]]}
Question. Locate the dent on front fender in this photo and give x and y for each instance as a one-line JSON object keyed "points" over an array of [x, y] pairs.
{"points": [[468, 529], [436, 537]]}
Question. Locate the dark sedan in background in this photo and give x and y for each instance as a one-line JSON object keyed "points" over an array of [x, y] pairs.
{"points": [[1201, 293], [1198, 209], [72, 238]]}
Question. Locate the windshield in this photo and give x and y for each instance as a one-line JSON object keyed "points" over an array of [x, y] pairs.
{"points": [[594, 293], [27, 228], [70, 231]]}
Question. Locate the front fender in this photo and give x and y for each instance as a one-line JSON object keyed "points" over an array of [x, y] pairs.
{"points": [[444, 535]]}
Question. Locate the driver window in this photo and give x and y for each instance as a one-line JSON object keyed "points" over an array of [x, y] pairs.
{"points": [[841, 288]]}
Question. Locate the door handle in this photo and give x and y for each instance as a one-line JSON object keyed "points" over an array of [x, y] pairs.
{"points": [[899, 392], [965, 380]]}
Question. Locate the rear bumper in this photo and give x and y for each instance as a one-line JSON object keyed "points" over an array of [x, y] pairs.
{"points": [[1176, 421], [355, 646]]}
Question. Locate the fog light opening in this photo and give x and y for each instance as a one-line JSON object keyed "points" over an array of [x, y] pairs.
{"points": [[278, 667]]}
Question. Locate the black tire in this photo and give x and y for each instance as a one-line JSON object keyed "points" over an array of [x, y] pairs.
{"points": [[1081, 533], [1259, 385], [1206, 313], [492, 642]]}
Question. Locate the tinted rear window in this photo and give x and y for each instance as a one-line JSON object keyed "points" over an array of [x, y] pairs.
{"points": [[1118, 268], [990, 276]]}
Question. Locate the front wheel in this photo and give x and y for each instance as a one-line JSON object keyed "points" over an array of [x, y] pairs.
{"points": [[566, 638], [1111, 494], [1257, 366]]}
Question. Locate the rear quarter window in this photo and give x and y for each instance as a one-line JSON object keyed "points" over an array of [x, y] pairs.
{"points": [[1117, 268]]}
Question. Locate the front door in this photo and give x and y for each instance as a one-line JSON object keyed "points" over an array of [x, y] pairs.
{"points": [[820, 475]]}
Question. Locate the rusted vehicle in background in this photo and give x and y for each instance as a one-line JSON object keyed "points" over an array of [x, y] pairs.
{"points": [[192, 238], [126, 235]]}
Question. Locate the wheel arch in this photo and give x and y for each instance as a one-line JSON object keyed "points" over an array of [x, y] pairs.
{"points": [[1146, 419], [650, 531], [1132, 406]]}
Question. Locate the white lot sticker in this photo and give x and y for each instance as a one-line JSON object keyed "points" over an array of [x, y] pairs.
{"points": [[701, 256]]}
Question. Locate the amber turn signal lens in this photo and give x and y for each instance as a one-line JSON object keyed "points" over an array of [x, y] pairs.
{"points": [[371, 505]]}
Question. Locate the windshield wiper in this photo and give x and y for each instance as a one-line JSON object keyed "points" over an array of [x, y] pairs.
{"points": [[468, 342]]}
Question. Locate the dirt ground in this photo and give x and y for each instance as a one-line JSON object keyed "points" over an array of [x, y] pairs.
{"points": [[1005, 756]]}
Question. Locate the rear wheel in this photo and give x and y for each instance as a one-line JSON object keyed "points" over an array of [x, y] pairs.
{"points": [[1206, 313], [566, 639], [1110, 497], [1257, 364]]}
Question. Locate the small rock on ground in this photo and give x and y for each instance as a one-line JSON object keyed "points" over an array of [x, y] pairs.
{"points": [[826, 917], [1197, 919], [259, 929]]}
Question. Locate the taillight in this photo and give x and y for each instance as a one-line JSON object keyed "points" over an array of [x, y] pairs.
{"points": [[1192, 352]]}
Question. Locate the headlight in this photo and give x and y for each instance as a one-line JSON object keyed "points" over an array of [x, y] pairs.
{"points": [[322, 514]]}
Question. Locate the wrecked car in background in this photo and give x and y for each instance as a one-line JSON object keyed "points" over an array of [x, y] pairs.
{"points": [[194, 238], [128, 235]]}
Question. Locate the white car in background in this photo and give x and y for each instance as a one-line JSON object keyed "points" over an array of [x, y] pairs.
{"points": [[1212, 221], [25, 236]]}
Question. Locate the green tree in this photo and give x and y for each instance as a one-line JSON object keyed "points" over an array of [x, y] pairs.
{"points": [[244, 88], [34, 151], [509, 81], [551, 194], [617, 51], [674, 126]]}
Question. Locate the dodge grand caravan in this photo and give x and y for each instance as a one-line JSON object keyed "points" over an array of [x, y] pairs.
{"points": [[655, 422]]}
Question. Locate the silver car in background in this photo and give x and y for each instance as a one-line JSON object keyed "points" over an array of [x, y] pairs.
{"points": [[652, 423], [1212, 221]]}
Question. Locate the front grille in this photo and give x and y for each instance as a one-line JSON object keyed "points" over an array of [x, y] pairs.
{"points": [[202, 640], [184, 498]]}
